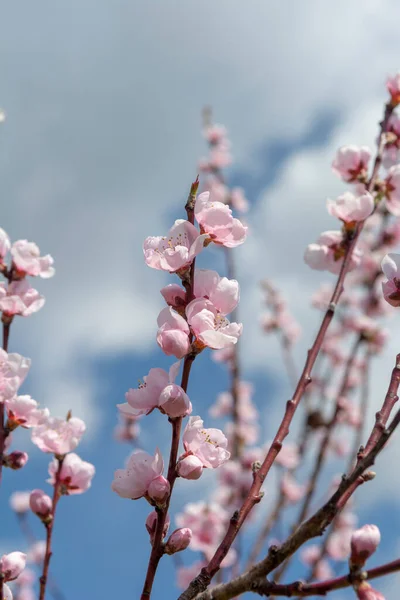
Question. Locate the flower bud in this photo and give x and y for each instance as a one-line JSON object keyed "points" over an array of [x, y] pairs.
{"points": [[366, 592], [16, 460], [151, 525], [174, 401], [159, 490], [364, 542], [40, 503], [178, 540], [190, 467], [12, 565]]}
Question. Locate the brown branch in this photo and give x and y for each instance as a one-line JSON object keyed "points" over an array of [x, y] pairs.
{"points": [[49, 530], [324, 444], [316, 524], [157, 550], [201, 582]]}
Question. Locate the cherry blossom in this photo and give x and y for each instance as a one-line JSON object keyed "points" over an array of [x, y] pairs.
{"points": [[19, 298], [158, 390], [40, 503], [391, 287], [75, 476], [178, 540], [208, 445], [13, 370], [58, 435], [215, 134], [210, 327], [351, 162], [215, 219], [222, 292], [24, 411], [173, 333], [174, 295], [364, 542], [350, 208], [392, 190], [141, 469], [328, 252], [175, 251], [5, 244], [27, 260], [12, 565]]}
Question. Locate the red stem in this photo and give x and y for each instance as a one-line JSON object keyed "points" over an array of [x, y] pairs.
{"points": [[49, 531], [201, 582]]}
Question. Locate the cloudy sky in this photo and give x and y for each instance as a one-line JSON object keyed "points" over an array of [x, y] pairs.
{"points": [[102, 139]]}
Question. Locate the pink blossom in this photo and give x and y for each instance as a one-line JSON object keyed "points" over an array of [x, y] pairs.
{"points": [[19, 502], [159, 490], [7, 594], [208, 445], [24, 411], [238, 200], [190, 467], [13, 370], [177, 250], [393, 190], [393, 87], [328, 252], [288, 457], [5, 244], [222, 292], [158, 390], [19, 298], [16, 460], [364, 542], [27, 260], [58, 436], [40, 503], [207, 523], [76, 474], [174, 295], [215, 219], [151, 525], [350, 208], [173, 333], [12, 565], [141, 468], [210, 327], [37, 552], [178, 540], [215, 134], [391, 287], [366, 592], [351, 162], [292, 491]]}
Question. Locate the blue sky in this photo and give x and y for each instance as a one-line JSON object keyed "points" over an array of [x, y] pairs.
{"points": [[101, 141]]}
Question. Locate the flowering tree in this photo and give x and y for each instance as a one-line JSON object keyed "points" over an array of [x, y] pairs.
{"points": [[195, 319]]}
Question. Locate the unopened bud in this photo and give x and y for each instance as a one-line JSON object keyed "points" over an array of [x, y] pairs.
{"points": [[366, 592], [159, 490], [190, 467], [12, 565], [40, 503], [151, 525], [178, 540], [364, 542], [16, 460]]}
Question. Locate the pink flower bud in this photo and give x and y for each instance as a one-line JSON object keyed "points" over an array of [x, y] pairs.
{"points": [[16, 460], [40, 503], [364, 542], [178, 540], [12, 565], [151, 525], [190, 467], [173, 333], [366, 592], [159, 489], [174, 401]]}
